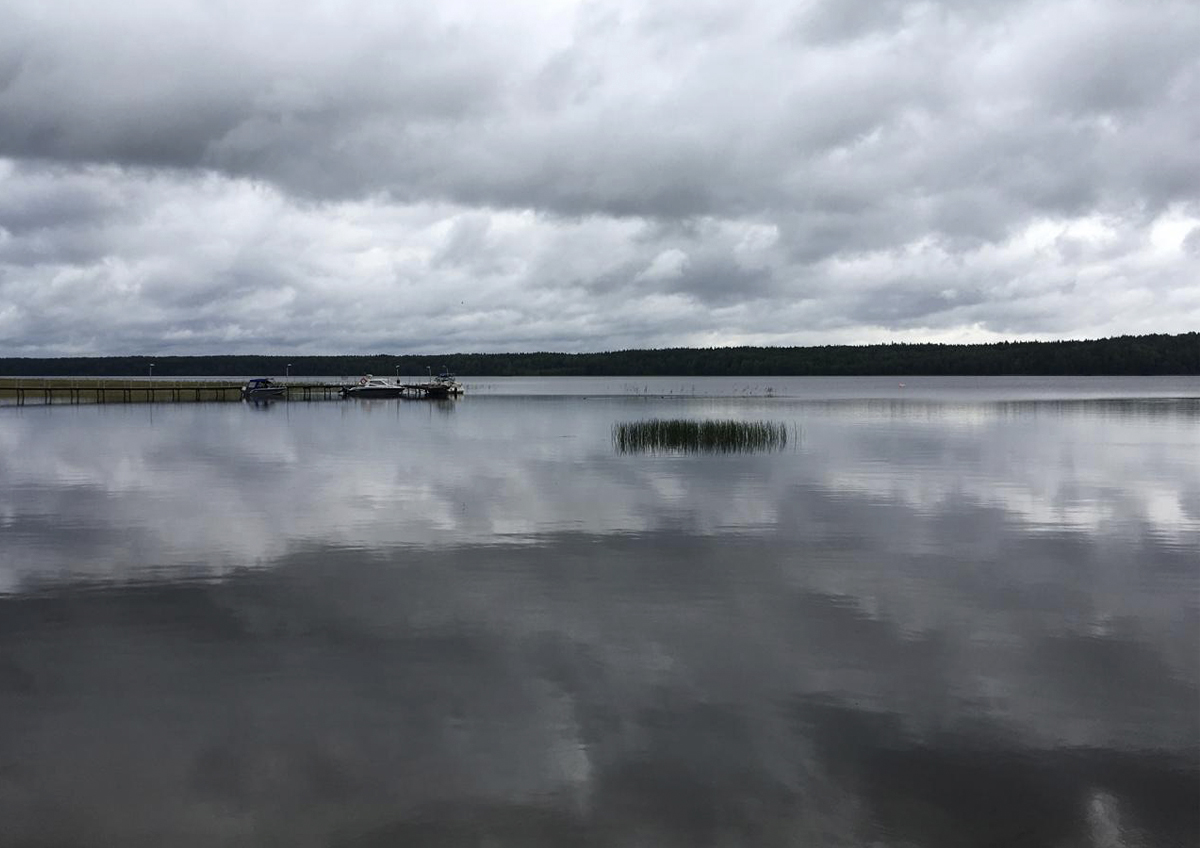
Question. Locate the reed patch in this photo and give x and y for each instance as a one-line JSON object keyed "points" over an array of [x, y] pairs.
{"points": [[678, 435]]}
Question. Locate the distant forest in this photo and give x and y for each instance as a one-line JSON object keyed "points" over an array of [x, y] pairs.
{"points": [[1154, 354]]}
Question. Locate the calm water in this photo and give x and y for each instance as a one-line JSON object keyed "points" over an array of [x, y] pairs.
{"points": [[956, 613]]}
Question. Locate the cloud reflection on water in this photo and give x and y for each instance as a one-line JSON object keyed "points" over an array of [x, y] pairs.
{"points": [[609, 688], [929, 624], [216, 487]]}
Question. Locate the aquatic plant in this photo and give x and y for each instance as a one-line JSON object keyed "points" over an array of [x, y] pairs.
{"points": [[680, 435]]}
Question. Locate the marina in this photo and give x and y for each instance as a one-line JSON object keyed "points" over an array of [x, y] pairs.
{"points": [[51, 391], [441, 386]]}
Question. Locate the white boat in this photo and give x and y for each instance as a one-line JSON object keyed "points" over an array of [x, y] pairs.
{"points": [[370, 386], [444, 384]]}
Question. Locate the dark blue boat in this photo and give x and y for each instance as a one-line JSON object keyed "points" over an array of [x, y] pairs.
{"points": [[262, 388]]}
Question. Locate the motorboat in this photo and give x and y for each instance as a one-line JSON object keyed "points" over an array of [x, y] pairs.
{"points": [[443, 384], [370, 387], [263, 388]]}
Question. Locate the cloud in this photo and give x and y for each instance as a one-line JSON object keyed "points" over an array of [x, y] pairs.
{"points": [[668, 265], [1191, 242], [295, 136]]}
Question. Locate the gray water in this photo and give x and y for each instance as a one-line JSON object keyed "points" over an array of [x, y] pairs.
{"points": [[953, 613]]}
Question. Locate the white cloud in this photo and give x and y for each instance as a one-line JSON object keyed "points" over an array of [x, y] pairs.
{"points": [[668, 265]]}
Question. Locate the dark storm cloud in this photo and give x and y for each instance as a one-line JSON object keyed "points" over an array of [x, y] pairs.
{"points": [[722, 282], [1191, 242], [424, 107], [49, 203], [450, 157], [189, 87], [900, 303]]}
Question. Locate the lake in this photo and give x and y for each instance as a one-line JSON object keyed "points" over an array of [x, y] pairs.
{"points": [[957, 612]]}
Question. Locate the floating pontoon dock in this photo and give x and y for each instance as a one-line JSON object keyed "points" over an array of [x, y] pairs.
{"points": [[24, 391]]}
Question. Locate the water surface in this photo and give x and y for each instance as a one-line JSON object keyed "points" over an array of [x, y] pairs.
{"points": [[957, 612]]}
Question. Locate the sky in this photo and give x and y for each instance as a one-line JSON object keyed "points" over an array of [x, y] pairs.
{"points": [[400, 177]]}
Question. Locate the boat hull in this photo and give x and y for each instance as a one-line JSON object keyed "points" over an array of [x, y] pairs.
{"points": [[372, 392], [263, 394]]}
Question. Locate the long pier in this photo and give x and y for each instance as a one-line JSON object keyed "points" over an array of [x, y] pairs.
{"points": [[109, 391]]}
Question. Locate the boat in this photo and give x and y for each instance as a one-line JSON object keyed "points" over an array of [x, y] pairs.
{"points": [[442, 385], [262, 388], [370, 386]]}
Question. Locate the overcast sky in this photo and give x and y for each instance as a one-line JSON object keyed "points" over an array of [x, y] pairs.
{"points": [[347, 177]]}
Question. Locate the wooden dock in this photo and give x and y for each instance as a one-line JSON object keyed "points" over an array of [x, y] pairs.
{"points": [[67, 391], [428, 391]]}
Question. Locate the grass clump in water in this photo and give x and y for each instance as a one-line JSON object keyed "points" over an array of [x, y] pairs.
{"points": [[683, 436]]}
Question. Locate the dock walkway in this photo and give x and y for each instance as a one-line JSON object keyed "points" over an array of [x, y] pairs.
{"points": [[111, 391]]}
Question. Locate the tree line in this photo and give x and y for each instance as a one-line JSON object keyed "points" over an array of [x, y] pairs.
{"points": [[1122, 355]]}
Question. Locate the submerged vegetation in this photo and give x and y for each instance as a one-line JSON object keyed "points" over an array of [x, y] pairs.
{"points": [[683, 436]]}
